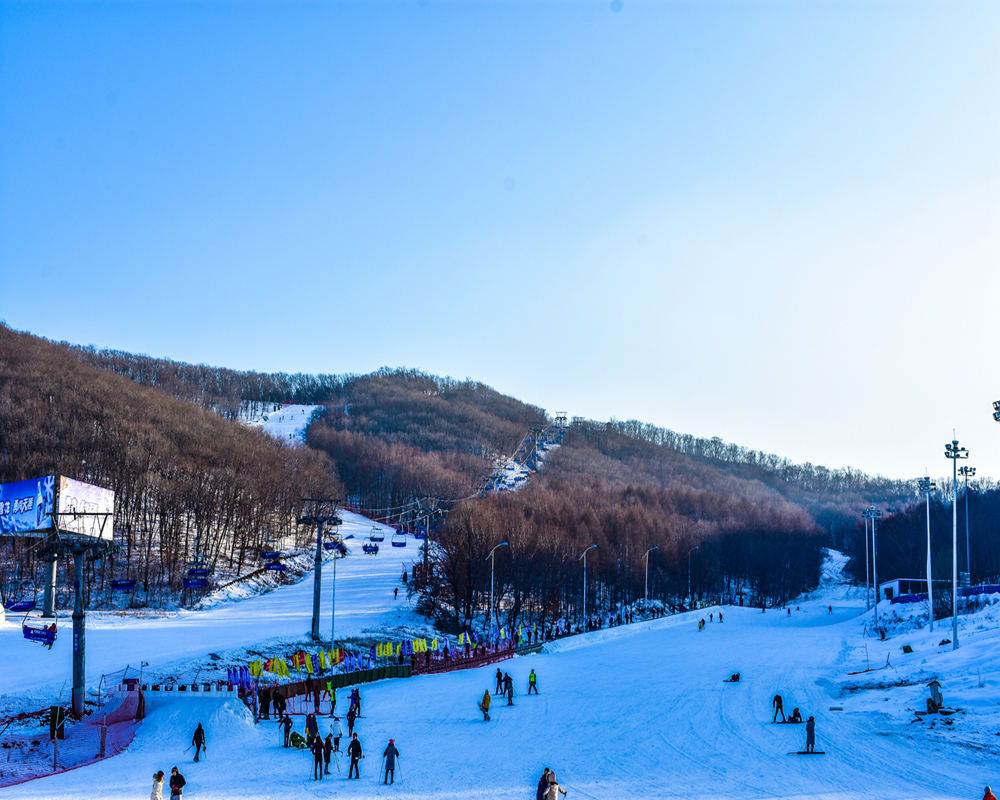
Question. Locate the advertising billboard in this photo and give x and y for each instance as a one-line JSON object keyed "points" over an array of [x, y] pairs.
{"points": [[26, 506], [85, 510], [80, 510]]}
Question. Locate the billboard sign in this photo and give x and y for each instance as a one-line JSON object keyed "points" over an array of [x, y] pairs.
{"points": [[85, 510], [26, 506]]}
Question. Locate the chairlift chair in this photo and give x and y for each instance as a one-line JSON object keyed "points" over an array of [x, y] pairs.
{"points": [[123, 584], [377, 535], [370, 549], [399, 539], [33, 626]]}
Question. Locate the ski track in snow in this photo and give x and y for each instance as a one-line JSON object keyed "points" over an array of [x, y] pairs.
{"points": [[640, 711]]}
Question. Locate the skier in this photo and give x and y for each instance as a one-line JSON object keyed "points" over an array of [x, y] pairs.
{"points": [[157, 793], [198, 740], [988, 795], [532, 682], [354, 751], [499, 681], [552, 793], [508, 685], [390, 754], [351, 716], [395, 592], [312, 729], [177, 784], [337, 730], [264, 697], [829, 609], [543, 784], [356, 701], [327, 751], [811, 735], [317, 750], [484, 706], [286, 723], [278, 699], [720, 616], [778, 708]]}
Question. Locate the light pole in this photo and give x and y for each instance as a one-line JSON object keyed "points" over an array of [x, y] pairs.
{"points": [[690, 596], [491, 559], [954, 452], [927, 486], [967, 472], [584, 557], [875, 515], [867, 515], [650, 550]]}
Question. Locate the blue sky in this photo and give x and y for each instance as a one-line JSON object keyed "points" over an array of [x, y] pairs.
{"points": [[772, 222]]}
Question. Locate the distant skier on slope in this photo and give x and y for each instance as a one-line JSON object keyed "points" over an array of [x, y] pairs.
{"points": [[508, 685], [811, 735], [198, 741], [532, 682], [778, 708], [354, 751], [351, 716], [484, 705], [286, 725], [499, 681], [390, 754]]}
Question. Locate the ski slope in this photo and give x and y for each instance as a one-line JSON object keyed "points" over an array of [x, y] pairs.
{"points": [[288, 422], [639, 711]]}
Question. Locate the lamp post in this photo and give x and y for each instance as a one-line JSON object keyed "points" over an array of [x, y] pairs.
{"points": [[954, 452], [875, 516], [967, 472], [650, 550], [491, 559], [584, 557], [867, 515], [927, 486], [690, 596]]}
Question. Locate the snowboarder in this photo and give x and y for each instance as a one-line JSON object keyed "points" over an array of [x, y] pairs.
{"points": [[264, 697], [543, 784], [796, 715], [499, 681], [484, 706], [317, 751], [552, 793], [337, 730], [390, 754], [778, 708], [286, 723], [532, 682], [351, 716], [327, 751], [198, 740], [177, 784], [157, 793], [508, 686], [354, 751], [811, 735]]}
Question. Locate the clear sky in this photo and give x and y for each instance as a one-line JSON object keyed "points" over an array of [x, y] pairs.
{"points": [[774, 222]]}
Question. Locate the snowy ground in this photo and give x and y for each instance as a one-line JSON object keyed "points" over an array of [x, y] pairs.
{"points": [[639, 711], [286, 422]]}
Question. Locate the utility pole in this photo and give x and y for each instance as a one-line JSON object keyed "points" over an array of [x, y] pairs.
{"points": [[967, 472], [927, 486], [318, 520], [646, 557], [954, 452], [875, 515], [584, 557]]}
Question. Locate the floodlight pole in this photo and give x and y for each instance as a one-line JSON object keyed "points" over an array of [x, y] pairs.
{"points": [[954, 452], [650, 550], [866, 514], [491, 559], [875, 515], [967, 472], [584, 557], [690, 596], [927, 486]]}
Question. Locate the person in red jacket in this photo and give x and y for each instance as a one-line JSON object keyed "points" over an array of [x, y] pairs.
{"points": [[988, 795]]}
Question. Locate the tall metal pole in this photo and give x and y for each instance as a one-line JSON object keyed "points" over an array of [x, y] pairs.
{"points": [[317, 580], [868, 584], [333, 601], [954, 452], [650, 550], [690, 596], [49, 598], [584, 557], [79, 635], [491, 559], [876, 515], [927, 486], [967, 472]]}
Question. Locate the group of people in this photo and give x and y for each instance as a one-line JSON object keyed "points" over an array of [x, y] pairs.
{"points": [[796, 716], [177, 784], [548, 787], [505, 688]]}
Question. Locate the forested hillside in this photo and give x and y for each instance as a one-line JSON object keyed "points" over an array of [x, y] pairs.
{"points": [[187, 482]]}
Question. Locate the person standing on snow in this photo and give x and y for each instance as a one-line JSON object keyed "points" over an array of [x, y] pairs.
{"points": [[337, 730], [177, 784], [198, 741], [312, 729], [317, 751], [543, 784], [499, 681], [286, 723], [508, 685], [390, 754], [157, 793], [988, 794], [552, 793], [327, 751], [484, 705], [811, 735], [354, 751], [532, 682], [278, 699], [351, 716], [778, 708]]}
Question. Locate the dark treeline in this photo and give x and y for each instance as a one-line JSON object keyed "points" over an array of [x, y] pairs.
{"points": [[186, 481], [901, 540], [766, 553]]}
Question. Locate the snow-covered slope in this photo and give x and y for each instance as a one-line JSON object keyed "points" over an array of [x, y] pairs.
{"points": [[287, 422], [639, 712]]}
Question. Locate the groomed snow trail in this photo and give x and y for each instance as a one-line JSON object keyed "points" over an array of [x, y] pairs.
{"points": [[637, 712]]}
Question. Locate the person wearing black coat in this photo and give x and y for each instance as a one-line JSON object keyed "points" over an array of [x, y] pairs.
{"points": [[499, 682], [198, 740], [351, 716], [317, 751], [508, 685], [327, 751], [354, 751], [264, 697], [543, 785], [286, 723], [177, 783], [279, 703]]}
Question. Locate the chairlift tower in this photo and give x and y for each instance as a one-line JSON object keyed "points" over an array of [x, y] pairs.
{"points": [[319, 519]]}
